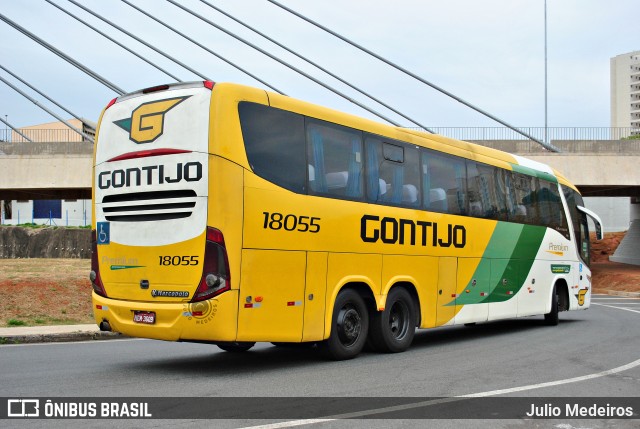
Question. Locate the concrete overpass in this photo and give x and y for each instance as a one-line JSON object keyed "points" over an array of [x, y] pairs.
{"points": [[600, 168], [33, 171], [63, 170]]}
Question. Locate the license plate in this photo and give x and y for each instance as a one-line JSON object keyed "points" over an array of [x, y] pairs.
{"points": [[148, 317]]}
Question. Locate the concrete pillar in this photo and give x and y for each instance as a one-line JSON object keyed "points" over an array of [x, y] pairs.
{"points": [[634, 213], [614, 212]]}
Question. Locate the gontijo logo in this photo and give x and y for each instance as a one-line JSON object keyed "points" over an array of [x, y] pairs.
{"points": [[147, 120]]}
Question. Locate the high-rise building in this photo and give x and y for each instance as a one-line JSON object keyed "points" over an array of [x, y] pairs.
{"points": [[625, 91]]}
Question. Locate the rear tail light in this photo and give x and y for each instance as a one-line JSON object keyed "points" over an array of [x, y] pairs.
{"points": [[94, 275], [215, 273], [111, 103]]}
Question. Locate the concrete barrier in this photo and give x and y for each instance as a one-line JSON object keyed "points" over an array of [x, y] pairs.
{"points": [[19, 242], [628, 251]]}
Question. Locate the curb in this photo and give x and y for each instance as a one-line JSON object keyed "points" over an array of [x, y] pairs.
{"points": [[626, 294], [60, 337]]}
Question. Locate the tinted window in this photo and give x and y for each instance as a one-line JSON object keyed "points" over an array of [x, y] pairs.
{"points": [[579, 221], [275, 145], [335, 160], [525, 189], [393, 172], [489, 183], [444, 183]]}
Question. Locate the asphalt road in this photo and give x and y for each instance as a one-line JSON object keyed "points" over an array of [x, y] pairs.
{"points": [[594, 353]]}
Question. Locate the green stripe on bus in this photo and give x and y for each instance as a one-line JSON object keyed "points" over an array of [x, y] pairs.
{"points": [[516, 269], [535, 173], [510, 254]]}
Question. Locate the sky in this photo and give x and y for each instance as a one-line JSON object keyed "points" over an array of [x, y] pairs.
{"points": [[489, 53]]}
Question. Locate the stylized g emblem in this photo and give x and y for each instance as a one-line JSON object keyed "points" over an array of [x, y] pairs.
{"points": [[147, 120], [581, 294]]}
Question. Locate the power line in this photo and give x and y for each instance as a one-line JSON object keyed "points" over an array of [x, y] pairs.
{"points": [[40, 92], [413, 75], [284, 63], [313, 64], [114, 41], [62, 55], [10, 85], [140, 40], [202, 46]]}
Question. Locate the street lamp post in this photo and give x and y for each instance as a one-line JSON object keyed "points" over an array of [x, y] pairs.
{"points": [[6, 128], [546, 125]]}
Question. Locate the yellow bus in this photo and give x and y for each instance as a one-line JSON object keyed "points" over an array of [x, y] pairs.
{"points": [[232, 215]]}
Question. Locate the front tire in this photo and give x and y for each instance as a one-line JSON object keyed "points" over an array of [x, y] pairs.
{"points": [[552, 318], [349, 327], [392, 330]]}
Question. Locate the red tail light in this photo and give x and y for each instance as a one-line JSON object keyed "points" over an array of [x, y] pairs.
{"points": [[215, 273], [94, 275], [111, 103], [147, 153]]}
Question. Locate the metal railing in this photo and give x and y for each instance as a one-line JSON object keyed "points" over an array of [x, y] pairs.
{"points": [[567, 139], [43, 135], [541, 133], [586, 147]]}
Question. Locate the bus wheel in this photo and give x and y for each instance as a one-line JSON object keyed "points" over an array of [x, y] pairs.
{"points": [[349, 327], [551, 318], [392, 330], [235, 347]]}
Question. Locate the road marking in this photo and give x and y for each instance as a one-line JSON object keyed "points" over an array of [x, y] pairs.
{"points": [[619, 308], [294, 423]]}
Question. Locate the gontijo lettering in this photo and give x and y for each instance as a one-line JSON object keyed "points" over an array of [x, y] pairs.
{"points": [[150, 175], [390, 230]]}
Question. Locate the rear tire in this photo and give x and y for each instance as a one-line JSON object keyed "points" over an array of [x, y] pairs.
{"points": [[235, 347], [551, 318], [392, 330], [349, 327]]}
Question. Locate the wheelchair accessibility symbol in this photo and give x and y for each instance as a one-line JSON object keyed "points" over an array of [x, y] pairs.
{"points": [[103, 233]]}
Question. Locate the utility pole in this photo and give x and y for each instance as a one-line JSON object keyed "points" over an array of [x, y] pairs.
{"points": [[546, 125]]}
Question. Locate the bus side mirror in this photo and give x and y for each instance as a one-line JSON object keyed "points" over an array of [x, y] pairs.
{"points": [[596, 221]]}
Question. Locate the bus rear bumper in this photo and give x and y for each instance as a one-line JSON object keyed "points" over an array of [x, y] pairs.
{"points": [[212, 320]]}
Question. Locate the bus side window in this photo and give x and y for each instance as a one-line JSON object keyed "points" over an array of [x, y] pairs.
{"points": [[335, 160], [488, 188], [393, 175], [526, 199], [274, 143], [444, 180], [481, 190]]}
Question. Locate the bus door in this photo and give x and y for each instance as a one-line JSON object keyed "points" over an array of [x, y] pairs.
{"points": [[583, 294], [272, 289]]}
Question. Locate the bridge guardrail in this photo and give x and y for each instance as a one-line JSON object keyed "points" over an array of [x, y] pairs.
{"points": [[567, 139], [48, 148], [541, 133]]}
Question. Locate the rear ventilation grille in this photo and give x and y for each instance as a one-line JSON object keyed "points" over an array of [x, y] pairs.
{"points": [[149, 206]]}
